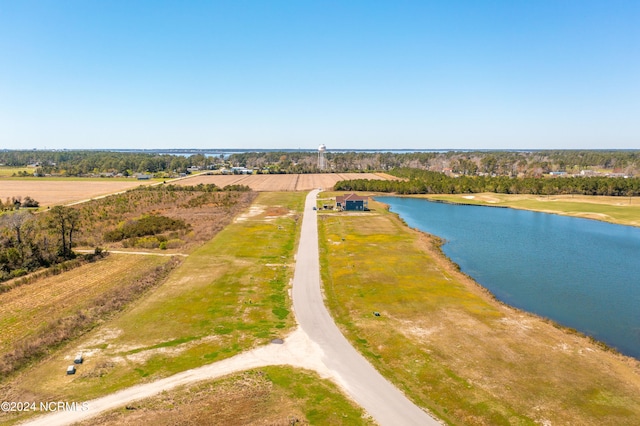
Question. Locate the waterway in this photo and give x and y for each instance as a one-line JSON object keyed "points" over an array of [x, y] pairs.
{"points": [[581, 273]]}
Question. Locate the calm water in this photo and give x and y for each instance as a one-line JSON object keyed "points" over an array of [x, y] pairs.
{"points": [[581, 273]]}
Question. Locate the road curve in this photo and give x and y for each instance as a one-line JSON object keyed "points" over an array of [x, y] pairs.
{"points": [[383, 401], [316, 345]]}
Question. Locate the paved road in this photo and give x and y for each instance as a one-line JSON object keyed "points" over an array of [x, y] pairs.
{"points": [[316, 345], [386, 404]]}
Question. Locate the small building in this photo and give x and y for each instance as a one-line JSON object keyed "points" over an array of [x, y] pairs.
{"points": [[241, 171], [352, 202]]}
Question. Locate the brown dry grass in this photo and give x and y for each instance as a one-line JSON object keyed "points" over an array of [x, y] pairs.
{"points": [[269, 396], [293, 182], [27, 308], [52, 192]]}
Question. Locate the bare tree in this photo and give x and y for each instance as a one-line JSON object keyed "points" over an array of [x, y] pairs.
{"points": [[66, 221], [16, 221]]}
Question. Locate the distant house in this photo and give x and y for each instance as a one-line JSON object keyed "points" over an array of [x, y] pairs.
{"points": [[351, 202], [143, 177], [241, 171]]}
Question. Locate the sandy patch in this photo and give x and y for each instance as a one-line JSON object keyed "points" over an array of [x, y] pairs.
{"points": [[253, 211]]}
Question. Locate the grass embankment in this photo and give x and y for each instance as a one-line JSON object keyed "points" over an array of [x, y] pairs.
{"points": [[227, 296], [621, 210], [271, 395], [450, 346]]}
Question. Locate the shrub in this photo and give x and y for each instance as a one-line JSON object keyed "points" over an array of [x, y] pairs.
{"points": [[144, 226]]}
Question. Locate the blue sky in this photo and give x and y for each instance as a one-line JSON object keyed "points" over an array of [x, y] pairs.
{"points": [[375, 74]]}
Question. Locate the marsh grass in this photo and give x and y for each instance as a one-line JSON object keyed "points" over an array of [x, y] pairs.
{"points": [[450, 346]]}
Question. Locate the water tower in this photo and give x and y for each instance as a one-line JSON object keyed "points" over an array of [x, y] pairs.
{"points": [[321, 161]]}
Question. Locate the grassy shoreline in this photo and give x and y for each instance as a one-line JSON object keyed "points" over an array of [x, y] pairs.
{"points": [[550, 205], [445, 341], [617, 210]]}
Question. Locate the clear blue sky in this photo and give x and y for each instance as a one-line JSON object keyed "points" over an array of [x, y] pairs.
{"points": [[512, 74]]}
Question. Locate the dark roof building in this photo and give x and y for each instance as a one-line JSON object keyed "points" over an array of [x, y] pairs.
{"points": [[352, 202]]}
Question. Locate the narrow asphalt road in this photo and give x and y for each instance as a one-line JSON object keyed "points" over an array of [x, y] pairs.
{"points": [[316, 345], [383, 401]]}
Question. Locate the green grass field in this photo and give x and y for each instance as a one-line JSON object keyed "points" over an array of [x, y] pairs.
{"points": [[6, 171], [227, 296], [452, 348]]}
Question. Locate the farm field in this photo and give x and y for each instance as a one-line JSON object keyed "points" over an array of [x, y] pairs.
{"points": [[292, 182], [450, 346], [621, 210], [27, 308], [52, 192], [229, 295]]}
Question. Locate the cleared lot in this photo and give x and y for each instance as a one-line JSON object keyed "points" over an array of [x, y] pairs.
{"points": [[298, 182], [50, 192]]}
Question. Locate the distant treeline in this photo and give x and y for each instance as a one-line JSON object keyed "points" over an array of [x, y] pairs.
{"points": [[75, 163], [467, 163], [417, 181]]}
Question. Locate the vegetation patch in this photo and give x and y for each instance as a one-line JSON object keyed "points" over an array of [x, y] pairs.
{"points": [[621, 210], [229, 295], [160, 217], [419, 181], [71, 306], [272, 395], [145, 225], [452, 348]]}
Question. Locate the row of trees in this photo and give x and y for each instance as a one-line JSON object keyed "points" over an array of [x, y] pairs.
{"points": [[417, 181], [502, 163], [75, 163], [15, 203]]}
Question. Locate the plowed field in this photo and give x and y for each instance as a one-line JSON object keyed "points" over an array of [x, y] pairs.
{"points": [[27, 308], [298, 182], [50, 192]]}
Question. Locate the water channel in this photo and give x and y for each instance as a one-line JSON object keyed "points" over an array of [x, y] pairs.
{"points": [[581, 273]]}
